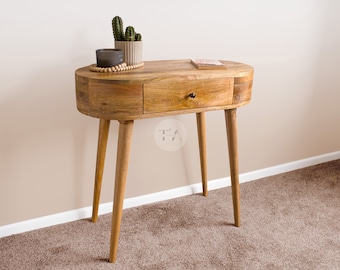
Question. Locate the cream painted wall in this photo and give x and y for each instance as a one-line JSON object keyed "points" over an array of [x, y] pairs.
{"points": [[47, 148]]}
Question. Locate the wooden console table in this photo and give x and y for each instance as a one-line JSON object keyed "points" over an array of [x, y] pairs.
{"points": [[160, 88]]}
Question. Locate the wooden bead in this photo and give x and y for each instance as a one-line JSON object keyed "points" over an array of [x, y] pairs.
{"points": [[120, 67]]}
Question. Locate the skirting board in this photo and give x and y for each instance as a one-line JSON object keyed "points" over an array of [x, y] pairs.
{"points": [[105, 208]]}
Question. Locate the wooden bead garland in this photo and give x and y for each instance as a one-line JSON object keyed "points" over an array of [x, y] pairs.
{"points": [[120, 67]]}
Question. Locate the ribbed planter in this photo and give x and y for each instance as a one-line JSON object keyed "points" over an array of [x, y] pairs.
{"points": [[133, 51]]}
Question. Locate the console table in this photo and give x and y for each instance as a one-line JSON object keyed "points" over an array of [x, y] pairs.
{"points": [[160, 88]]}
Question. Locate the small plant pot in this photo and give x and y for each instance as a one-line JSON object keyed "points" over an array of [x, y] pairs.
{"points": [[133, 51], [109, 57]]}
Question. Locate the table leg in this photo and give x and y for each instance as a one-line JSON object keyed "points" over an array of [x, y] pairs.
{"points": [[201, 130], [123, 153], [230, 116], [104, 126]]}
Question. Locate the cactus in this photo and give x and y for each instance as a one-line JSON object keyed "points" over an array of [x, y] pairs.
{"points": [[130, 33], [138, 37], [117, 28], [118, 31]]}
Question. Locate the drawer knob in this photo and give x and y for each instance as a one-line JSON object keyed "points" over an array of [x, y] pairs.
{"points": [[192, 95]]}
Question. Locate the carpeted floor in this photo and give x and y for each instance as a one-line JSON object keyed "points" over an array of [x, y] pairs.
{"points": [[288, 221]]}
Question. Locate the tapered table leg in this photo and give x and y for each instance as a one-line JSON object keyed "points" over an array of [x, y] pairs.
{"points": [[230, 116], [201, 130], [123, 153], [104, 126]]}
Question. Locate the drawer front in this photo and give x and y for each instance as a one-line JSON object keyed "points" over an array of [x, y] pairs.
{"points": [[188, 94]]}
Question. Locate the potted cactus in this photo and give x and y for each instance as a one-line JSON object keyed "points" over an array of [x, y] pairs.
{"points": [[128, 41]]}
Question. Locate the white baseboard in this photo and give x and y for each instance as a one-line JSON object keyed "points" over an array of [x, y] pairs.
{"points": [[105, 208]]}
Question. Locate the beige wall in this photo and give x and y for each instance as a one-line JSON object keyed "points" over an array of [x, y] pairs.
{"points": [[47, 148]]}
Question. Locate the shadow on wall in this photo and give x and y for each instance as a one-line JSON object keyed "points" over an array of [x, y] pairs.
{"points": [[43, 141], [322, 113]]}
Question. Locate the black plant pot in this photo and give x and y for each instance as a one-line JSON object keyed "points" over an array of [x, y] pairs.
{"points": [[109, 57]]}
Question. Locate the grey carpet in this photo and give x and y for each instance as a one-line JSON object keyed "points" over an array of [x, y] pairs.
{"points": [[288, 221]]}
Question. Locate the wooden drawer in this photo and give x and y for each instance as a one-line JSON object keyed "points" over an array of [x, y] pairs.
{"points": [[187, 94]]}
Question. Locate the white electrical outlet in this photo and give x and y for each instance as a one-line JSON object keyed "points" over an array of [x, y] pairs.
{"points": [[170, 134]]}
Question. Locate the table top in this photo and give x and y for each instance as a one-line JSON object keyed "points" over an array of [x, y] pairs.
{"points": [[161, 88]]}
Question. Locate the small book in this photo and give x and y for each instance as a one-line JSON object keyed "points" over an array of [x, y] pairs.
{"points": [[207, 64]]}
